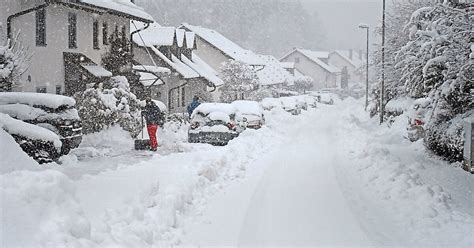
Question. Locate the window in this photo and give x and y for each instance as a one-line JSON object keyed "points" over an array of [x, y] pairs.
{"points": [[124, 34], [72, 28], [41, 89], [58, 89], [297, 60], [105, 33], [95, 34], [183, 97], [41, 27]]}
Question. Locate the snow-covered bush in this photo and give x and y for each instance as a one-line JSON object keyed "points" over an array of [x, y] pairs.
{"points": [[262, 93], [101, 108], [239, 79], [303, 84], [14, 61], [431, 59]]}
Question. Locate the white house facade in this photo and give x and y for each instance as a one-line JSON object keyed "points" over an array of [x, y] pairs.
{"points": [[313, 64], [67, 39], [354, 62]]}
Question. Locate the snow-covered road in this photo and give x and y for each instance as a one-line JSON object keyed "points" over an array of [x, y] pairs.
{"points": [[294, 200], [328, 177]]}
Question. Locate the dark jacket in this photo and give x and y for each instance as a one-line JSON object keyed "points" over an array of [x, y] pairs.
{"points": [[192, 106], [152, 114]]}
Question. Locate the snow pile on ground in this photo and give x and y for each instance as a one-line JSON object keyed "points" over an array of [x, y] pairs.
{"points": [[41, 211], [38, 207], [400, 188], [12, 156]]}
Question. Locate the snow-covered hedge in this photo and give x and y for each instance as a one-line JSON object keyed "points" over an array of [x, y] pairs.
{"points": [[431, 58], [102, 108], [51, 101]]}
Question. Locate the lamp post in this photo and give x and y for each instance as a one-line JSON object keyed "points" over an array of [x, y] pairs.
{"points": [[365, 26], [382, 86]]}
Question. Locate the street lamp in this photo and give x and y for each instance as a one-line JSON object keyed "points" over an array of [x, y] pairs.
{"points": [[382, 86], [365, 26]]}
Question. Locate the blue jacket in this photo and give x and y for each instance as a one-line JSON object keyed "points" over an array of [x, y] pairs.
{"points": [[192, 106]]}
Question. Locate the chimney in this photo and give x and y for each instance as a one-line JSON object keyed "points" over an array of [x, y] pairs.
{"points": [[351, 54]]}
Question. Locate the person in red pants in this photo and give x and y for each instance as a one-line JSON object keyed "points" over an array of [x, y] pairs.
{"points": [[153, 117]]}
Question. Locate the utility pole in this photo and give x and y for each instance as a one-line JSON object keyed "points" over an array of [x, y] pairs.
{"points": [[382, 86], [365, 26]]}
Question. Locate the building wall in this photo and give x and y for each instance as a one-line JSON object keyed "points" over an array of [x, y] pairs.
{"points": [[214, 57], [47, 65], [322, 78], [338, 61]]}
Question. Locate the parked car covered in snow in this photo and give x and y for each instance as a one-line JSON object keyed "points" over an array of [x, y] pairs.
{"points": [[301, 102], [326, 97], [39, 143], [270, 103], [53, 112], [251, 112], [215, 123], [310, 100], [290, 105]]}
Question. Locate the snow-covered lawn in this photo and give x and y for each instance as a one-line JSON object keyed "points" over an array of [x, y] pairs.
{"points": [[330, 176]]}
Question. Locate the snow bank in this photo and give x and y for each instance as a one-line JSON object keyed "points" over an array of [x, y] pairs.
{"points": [[12, 156], [109, 142], [39, 210], [23, 129], [35, 99], [411, 197]]}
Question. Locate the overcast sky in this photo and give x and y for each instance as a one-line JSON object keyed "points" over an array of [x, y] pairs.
{"points": [[341, 18]]}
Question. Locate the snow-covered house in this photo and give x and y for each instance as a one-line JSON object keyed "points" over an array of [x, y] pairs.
{"points": [[216, 49], [67, 39], [273, 74], [315, 65], [173, 49], [354, 62]]}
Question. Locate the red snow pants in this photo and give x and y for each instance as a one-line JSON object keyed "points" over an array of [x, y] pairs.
{"points": [[152, 134]]}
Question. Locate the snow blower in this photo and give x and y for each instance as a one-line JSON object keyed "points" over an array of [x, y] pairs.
{"points": [[142, 144]]}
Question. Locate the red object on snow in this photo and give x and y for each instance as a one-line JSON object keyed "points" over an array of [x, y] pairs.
{"points": [[152, 134], [419, 122]]}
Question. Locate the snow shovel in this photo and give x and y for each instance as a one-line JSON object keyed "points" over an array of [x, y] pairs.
{"points": [[142, 144]]}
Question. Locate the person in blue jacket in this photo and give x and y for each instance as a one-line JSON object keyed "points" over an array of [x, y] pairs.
{"points": [[193, 105]]}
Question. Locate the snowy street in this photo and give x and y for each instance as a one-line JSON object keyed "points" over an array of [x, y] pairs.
{"points": [[295, 200], [332, 184]]}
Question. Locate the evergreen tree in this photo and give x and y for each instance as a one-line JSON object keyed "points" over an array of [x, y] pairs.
{"points": [[118, 59], [14, 61]]}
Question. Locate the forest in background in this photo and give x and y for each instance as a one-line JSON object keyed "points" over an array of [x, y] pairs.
{"points": [[267, 27]]}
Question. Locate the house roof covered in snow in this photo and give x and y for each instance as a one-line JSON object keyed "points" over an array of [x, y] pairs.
{"points": [[316, 57], [273, 72], [203, 69], [225, 45], [355, 61], [180, 35], [155, 35], [190, 40], [177, 65], [120, 7]]}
